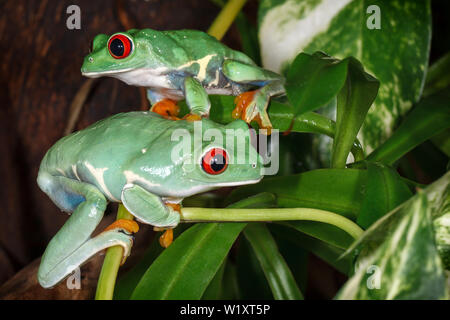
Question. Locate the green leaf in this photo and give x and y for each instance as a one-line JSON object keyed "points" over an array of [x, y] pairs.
{"points": [[397, 54], [328, 253], [322, 231], [296, 257], [398, 256], [250, 275], [320, 189], [185, 269], [278, 274], [385, 190], [314, 80], [214, 289], [438, 76], [353, 103], [429, 117], [442, 141], [442, 230], [439, 197], [230, 283], [128, 281]]}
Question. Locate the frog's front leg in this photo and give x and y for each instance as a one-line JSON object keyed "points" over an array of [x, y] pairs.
{"points": [[196, 99], [72, 245], [252, 105], [149, 208]]}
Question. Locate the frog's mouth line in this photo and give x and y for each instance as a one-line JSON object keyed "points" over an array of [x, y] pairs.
{"points": [[98, 74], [235, 184]]}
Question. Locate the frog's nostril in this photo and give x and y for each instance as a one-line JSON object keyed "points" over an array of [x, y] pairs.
{"points": [[91, 59]]}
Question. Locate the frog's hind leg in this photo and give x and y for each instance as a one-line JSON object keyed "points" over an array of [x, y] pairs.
{"points": [[252, 105], [72, 245], [163, 106]]}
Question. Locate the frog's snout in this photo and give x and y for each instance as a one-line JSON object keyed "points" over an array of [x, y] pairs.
{"points": [[88, 64]]}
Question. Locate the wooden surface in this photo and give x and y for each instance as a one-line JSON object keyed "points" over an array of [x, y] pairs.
{"points": [[40, 74]]}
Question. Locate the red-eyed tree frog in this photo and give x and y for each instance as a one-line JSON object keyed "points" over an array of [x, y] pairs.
{"points": [[184, 64], [147, 163]]}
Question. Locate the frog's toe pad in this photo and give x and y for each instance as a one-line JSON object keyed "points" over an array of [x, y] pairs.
{"points": [[129, 226], [251, 106], [192, 117], [166, 108], [166, 238]]}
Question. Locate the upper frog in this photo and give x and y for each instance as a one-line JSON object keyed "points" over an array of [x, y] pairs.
{"points": [[183, 64], [147, 163]]}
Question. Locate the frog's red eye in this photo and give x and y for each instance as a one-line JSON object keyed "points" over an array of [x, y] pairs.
{"points": [[215, 161], [120, 46]]}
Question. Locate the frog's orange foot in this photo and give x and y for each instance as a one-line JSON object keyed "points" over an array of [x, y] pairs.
{"points": [[166, 108], [192, 117], [242, 102], [248, 109], [128, 225], [166, 238]]}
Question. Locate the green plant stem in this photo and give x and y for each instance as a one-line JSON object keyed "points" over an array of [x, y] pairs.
{"points": [[111, 264], [225, 18], [272, 214]]}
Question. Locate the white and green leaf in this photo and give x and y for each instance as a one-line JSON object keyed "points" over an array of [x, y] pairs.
{"points": [[340, 29], [399, 257]]}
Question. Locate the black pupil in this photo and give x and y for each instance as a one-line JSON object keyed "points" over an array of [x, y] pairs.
{"points": [[218, 162], [117, 47]]}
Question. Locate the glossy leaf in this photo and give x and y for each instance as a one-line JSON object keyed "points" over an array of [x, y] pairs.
{"points": [[324, 232], [396, 54], [398, 256], [439, 197], [429, 117], [214, 289], [384, 191], [353, 103], [128, 281], [328, 253], [252, 282], [438, 76], [336, 190], [185, 269], [278, 274], [230, 286], [314, 80], [296, 257]]}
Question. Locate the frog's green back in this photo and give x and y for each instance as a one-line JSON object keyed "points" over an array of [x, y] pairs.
{"points": [[110, 136], [198, 44]]}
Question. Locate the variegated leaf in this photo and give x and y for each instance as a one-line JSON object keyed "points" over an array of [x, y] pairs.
{"points": [[396, 54], [398, 256]]}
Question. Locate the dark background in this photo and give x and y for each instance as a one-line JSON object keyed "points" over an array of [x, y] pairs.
{"points": [[40, 75]]}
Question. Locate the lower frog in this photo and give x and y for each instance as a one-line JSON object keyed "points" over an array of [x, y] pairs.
{"points": [[147, 163], [184, 64]]}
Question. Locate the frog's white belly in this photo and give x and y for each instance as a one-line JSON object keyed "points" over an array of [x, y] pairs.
{"points": [[150, 78], [158, 79]]}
